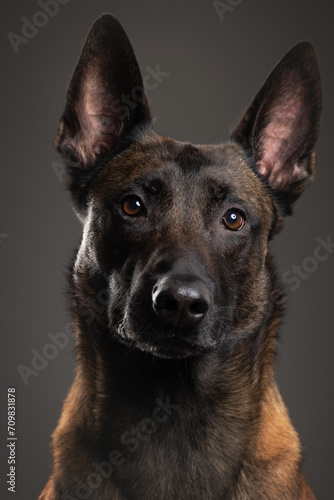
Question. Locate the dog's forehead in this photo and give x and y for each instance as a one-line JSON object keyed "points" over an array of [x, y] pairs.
{"points": [[183, 166]]}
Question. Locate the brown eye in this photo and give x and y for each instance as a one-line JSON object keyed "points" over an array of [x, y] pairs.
{"points": [[133, 206], [233, 220]]}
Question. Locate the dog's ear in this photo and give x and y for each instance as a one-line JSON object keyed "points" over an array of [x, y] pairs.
{"points": [[105, 100], [281, 126]]}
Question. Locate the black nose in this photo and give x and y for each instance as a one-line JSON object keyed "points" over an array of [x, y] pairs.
{"points": [[181, 302]]}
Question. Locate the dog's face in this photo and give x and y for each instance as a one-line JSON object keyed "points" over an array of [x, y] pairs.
{"points": [[178, 232], [181, 240]]}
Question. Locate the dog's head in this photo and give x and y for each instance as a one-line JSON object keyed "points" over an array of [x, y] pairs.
{"points": [[179, 233]]}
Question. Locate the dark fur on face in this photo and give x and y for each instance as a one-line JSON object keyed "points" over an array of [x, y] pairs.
{"points": [[174, 295]]}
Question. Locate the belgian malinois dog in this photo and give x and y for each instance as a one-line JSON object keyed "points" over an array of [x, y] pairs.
{"points": [[175, 298]]}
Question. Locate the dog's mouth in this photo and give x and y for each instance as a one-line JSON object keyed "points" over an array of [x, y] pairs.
{"points": [[167, 344]]}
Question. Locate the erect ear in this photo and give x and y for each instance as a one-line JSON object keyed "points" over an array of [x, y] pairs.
{"points": [[281, 126], [105, 100]]}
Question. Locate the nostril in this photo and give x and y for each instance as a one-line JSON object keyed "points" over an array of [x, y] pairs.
{"points": [[170, 304], [199, 307], [165, 302]]}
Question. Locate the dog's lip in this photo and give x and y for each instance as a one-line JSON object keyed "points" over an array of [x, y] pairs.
{"points": [[170, 345], [173, 348], [169, 337]]}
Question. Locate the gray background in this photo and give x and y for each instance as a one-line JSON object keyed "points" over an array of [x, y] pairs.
{"points": [[215, 67]]}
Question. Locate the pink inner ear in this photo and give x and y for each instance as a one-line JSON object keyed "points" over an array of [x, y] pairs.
{"points": [[100, 119], [279, 143]]}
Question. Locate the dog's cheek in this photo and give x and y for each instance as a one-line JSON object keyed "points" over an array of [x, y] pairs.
{"points": [[138, 307], [242, 274], [110, 245], [124, 282], [117, 299]]}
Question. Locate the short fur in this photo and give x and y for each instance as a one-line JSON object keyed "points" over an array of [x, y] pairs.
{"points": [[176, 312]]}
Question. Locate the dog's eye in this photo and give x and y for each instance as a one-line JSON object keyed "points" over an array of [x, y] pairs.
{"points": [[233, 220], [133, 206]]}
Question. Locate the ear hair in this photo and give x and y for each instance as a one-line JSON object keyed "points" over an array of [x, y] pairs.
{"points": [[106, 97], [281, 126]]}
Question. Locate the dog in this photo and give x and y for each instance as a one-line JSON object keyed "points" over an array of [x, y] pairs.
{"points": [[175, 298]]}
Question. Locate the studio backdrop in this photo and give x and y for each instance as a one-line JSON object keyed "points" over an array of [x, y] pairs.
{"points": [[202, 61]]}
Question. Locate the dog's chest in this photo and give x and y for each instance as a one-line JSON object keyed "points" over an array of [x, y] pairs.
{"points": [[169, 454]]}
